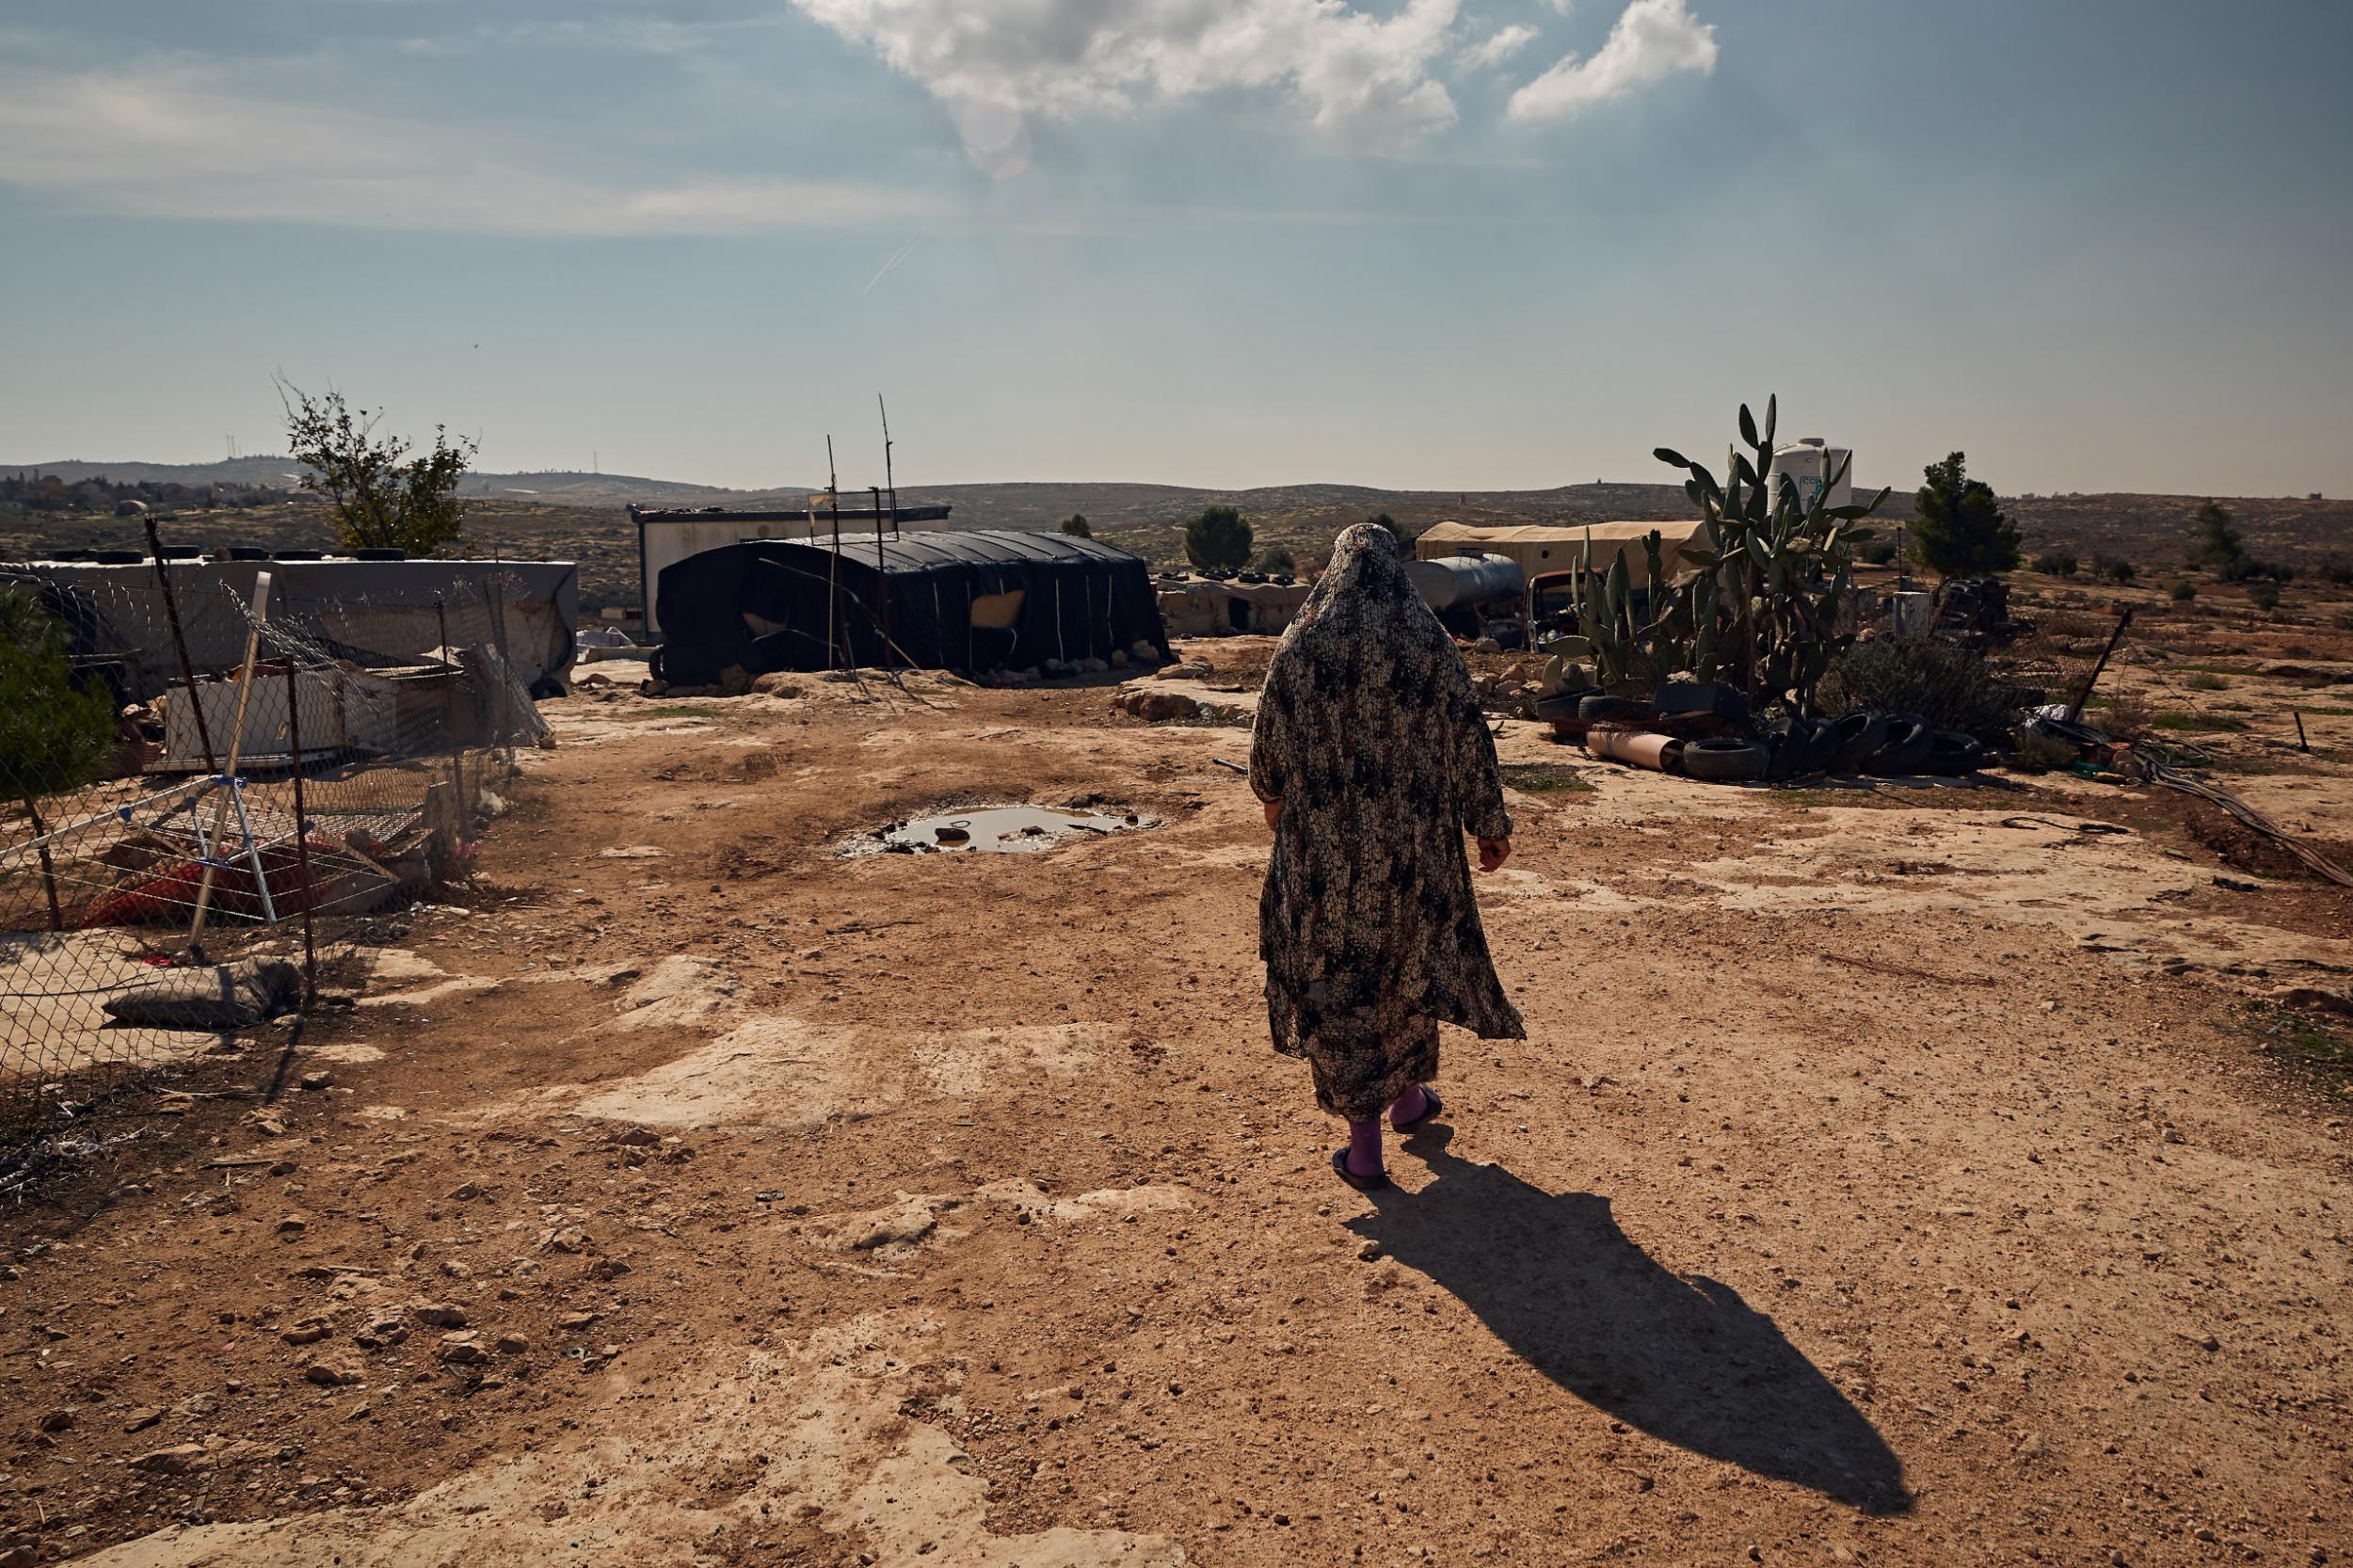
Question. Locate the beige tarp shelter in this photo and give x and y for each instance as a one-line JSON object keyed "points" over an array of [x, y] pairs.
{"points": [[1541, 549]]}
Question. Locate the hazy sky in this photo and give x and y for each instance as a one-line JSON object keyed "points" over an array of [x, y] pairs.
{"points": [[1452, 244]]}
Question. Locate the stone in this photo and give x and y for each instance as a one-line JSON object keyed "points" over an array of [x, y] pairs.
{"points": [[734, 680], [574, 1321], [442, 1315], [466, 1191], [178, 1459], [512, 1343], [317, 1080], [777, 683], [461, 1350], [308, 1333], [382, 1334], [292, 1227], [607, 1268], [58, 1420], [1119, 658], [2311, 672], [2313, 1000], [1368, 1251], [223, 996], [143, 1418], [327, 1374], [1165, 706]]}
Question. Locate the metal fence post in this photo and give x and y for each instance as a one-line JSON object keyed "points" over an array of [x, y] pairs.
{"points": [[180, 641], [49, 870], [302, 840]]}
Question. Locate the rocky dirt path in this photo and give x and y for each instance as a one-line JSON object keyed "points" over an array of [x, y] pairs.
{"points": [[695, 1197]]}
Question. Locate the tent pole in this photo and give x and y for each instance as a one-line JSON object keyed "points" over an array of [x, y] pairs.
{"points": [[881, 607], [833, 566]]}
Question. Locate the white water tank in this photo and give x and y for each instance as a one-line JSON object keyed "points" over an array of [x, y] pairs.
{"points": [[1809, 463]]}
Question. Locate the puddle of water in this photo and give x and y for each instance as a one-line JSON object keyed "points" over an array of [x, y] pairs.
{"points": [[1003, 830]]}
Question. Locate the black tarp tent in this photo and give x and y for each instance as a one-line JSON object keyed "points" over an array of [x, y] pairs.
{"points": [[974, 599]]}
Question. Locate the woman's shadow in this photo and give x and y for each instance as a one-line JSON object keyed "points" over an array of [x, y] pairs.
{"points": [[1684, 1359]]}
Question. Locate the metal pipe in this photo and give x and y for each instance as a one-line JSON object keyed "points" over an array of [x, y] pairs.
{"points": [[302, 842]]}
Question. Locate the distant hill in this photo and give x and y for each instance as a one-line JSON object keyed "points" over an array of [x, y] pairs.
{"points": [[561, 486], [579, 517]]}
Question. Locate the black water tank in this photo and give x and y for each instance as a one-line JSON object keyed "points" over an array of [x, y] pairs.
{"points": [[380, 553], [247, 552], [121, 557], [297, 555]]}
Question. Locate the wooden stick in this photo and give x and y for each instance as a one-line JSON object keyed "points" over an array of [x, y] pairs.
{"points": [[2301, 743]]}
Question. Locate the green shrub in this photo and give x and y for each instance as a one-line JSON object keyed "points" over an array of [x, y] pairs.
{"points": [[1218, 540], [2114, 567], [2057, 563], [2263, 596], [2183, 592], [2205, 680], [1076, 525], [52, 734], [1950, 688]]}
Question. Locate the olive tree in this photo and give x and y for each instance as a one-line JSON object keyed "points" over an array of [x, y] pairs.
{"points": [[381, 498]]}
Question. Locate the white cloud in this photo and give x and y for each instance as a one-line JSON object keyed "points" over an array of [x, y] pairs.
{"points": [[995, 63], [1650, 40], [1498, 47], [188, 140]]}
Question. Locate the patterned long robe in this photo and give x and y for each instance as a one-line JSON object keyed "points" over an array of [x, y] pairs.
{"points": [[1369, 733]]}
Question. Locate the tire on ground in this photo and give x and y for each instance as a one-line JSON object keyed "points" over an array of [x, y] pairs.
{"points": [[1953, 754], [1909, 743], [1858, 735], [1722, 761], [1603, 709]]}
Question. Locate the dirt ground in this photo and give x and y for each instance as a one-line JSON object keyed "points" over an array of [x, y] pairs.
{"points": [[1890, 1176]]}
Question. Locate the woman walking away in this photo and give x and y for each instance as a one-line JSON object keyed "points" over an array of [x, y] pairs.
{"points": [[1373, 760]]}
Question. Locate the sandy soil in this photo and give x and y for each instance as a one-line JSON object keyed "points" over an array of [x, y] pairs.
{"points": [[1890, 1177]]}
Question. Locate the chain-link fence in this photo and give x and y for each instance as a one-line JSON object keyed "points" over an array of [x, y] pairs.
{"points": [[190, 845]]}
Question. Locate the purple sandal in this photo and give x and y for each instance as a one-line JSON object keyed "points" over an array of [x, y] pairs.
{"points": [[1373, 1183], [1431, 1106]]}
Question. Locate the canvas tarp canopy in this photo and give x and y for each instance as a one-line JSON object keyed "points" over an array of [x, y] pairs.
{"points": [[379, 612], [1545, 548], [974, 599]]}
